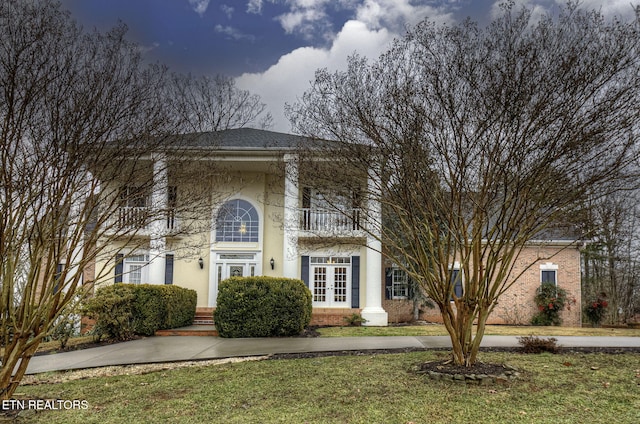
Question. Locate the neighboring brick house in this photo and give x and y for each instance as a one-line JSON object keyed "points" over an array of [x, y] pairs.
{"points": [[516, 306]]}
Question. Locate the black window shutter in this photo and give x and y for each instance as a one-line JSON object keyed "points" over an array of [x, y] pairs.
{"points": [[304, 271], [355, 281], [57, 277], [119, 268], [456, 278], [388, 283], [168, 269], [306, 197]]}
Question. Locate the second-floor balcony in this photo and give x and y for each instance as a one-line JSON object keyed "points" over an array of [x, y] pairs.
{"points": [[328, 223], [141, 219]]}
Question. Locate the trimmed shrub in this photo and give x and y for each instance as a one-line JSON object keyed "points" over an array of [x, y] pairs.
{"points": [[149, 309], [124, 310], [181, 306], [112, 308], [262, 307]]}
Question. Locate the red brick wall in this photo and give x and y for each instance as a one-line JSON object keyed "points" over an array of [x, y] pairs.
{"points": [[516, 305], [331, 317]]}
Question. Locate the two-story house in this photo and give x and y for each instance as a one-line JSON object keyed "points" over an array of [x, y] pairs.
{"points": [[238, 207], [250, 216]]}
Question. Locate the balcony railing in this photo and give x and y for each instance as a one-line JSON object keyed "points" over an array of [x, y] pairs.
{"points": [[140, 218], [133, 217], [329, 221]]}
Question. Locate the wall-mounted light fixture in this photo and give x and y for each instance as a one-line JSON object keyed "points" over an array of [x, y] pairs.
{"points": [[272, 263], [201, 263]]}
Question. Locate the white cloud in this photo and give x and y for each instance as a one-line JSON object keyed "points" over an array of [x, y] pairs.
{"points": [[199, 6], [396, 14], [538, 8], [610, 8], [289, 78], [254, 6], [227, 10], [377, 23], [312, 17], [300, 19], [233, 33]]}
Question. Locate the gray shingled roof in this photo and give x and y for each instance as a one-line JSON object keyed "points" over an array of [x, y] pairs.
{"points": [[242, 139]]}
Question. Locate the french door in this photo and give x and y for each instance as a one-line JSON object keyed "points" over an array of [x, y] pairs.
{"points": [[331, 285]]}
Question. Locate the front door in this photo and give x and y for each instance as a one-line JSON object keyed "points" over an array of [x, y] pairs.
{"points": [[330, 285], [236, 270], [232, 265]]}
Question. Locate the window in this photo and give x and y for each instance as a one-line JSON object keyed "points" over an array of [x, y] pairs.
{"points": [[172, 204], [330, 260], [399, 284], [237, 221], [135, 270], [456, 281], [549, 273], [396, 283], [133, 197]]}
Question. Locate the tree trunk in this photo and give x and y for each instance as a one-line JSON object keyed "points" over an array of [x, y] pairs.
{"points": [[15, 361]]}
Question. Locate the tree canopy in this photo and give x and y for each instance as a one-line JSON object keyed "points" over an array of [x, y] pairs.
{"points": [[482, 140]]}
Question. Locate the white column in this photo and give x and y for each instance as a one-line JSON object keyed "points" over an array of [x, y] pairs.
{"points": [[373, 312], [75, 242], [159, 203], [290, 219]]}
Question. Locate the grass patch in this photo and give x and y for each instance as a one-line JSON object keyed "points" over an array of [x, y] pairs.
{"points": [[493, 330], [357, 389]]}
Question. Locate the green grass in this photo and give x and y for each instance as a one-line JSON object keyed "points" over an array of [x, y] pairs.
{"points": [[500, 330], [594, 388]]}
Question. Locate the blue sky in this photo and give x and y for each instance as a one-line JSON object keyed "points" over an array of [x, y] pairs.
{"points": [[273, 47]]}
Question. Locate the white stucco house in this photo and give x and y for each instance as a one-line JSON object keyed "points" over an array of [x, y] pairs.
{"points": [[257, 220]]}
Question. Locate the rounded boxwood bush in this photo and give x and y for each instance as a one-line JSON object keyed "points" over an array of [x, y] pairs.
{"points": [[262, 307], [124, 310]]}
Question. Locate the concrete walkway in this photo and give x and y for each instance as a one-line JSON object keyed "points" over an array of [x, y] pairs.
{"points": [[185, 348]]}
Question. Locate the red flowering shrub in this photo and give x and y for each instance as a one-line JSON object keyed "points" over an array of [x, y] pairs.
{"points": [[596, 309], [550, 300]]}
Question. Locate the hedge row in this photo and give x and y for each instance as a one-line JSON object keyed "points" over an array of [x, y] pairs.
{"points": [[124, 310], [262, 307]]}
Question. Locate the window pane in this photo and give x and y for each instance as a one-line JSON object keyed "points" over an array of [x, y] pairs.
{"points": [[399, 287], [237, 221], [549, 276], [135, 274]]}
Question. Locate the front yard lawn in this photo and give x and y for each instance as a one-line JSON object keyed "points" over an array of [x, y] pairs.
{"points": [[495, 330], [563, 388]]}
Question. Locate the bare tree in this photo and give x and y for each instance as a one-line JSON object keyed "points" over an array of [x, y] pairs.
{"points": [[78, 113], [610, 261], [476, 141], [215, 103]]}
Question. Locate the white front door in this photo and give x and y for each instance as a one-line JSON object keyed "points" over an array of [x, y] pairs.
{"points": [[331, 285], [232, 265]]}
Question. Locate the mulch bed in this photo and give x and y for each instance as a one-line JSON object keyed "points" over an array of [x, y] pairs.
{"points": [[448, 367]]}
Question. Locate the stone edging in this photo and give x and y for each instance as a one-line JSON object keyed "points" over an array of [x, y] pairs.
{"points": [[510, 374]]}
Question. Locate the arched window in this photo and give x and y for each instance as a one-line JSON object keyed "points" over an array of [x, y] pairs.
{"points": [[237, 221]]}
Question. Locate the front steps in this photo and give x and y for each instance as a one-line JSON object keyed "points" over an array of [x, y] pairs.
{"points": [[204, 316], [202, 326], [192, 330]]}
